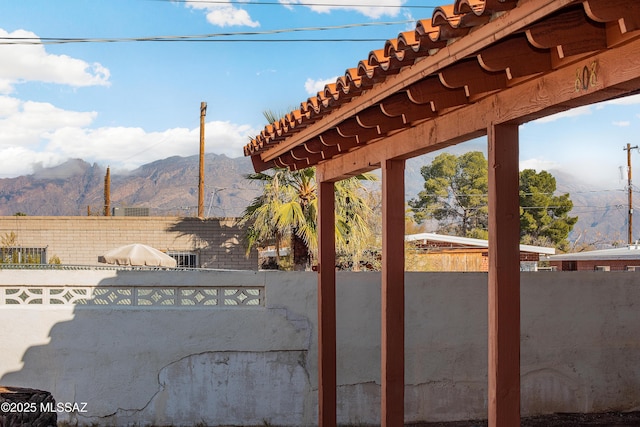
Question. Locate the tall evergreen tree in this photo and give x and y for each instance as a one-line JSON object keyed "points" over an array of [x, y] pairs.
{"points": [[455, 194], [544, 217]]}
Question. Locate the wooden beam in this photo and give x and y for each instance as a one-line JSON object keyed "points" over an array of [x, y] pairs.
{"points": [[327, 380], [504, 277], [617, 72], [392, 339]]}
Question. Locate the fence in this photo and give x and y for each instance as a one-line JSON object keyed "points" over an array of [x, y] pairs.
{"points": [[239, 348], [22, 255]]}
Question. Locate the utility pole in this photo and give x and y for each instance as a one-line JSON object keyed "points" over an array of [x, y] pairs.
{"points": [[203, 113], [628, 148], [107, 193]]}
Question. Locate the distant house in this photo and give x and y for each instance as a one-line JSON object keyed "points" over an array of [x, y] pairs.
{"points": [[81, 240], [621, 259], [438, 252]]}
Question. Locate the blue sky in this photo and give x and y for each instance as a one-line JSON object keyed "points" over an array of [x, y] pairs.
{"points": [[128, 103]]}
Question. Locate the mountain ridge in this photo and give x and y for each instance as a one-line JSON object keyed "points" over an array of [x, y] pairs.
{"points": [[169, 187]]}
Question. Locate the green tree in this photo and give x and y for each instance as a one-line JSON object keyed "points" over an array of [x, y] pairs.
{"points": [[544, 217], [287, 210], [262, 211], [455, 194]]}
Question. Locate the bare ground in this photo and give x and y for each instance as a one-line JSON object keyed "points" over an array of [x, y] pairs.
{"points": [[609, 419]]}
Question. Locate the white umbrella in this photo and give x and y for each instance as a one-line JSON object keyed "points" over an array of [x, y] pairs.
{"points": [[138, 254]]}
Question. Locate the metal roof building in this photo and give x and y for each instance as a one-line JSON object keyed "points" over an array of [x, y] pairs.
{"points": [[626, 258]]}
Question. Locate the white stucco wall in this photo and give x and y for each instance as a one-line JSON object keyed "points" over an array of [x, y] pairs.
{"points": [[242, 365]]}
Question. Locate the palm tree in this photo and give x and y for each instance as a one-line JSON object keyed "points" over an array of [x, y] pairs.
{"points": [[287, 209]]}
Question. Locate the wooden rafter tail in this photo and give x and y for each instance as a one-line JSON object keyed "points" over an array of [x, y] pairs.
{"points": [[433, 92], [516, 57], [374, 117], [400, 105], [468, 74], [623, 12], [570, 32], [259, 165]]}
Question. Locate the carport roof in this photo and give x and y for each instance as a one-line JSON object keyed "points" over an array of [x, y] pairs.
{"points": [[467, 241], [625, 253]]}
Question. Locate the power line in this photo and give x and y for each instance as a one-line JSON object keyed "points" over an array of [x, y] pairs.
{"points": [[277, 3], [211, 37]]}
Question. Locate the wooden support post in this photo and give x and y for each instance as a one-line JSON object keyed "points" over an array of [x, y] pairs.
{"points": [[203, 113], [504, 277], [327, 384], [392, 293]]}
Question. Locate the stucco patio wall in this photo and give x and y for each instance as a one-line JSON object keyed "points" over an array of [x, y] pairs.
{"points": [[189, 363]]}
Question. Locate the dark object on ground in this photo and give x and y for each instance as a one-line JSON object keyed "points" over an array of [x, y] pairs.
{"points": [[608, 419], [26, 407]]}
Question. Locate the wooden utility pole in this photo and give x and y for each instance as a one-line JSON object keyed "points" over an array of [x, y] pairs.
{"points": [[630, 190], [203, 113], [107, 193]]}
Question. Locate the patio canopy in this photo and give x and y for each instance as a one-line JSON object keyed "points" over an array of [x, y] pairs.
{"points": [[477, 67]]}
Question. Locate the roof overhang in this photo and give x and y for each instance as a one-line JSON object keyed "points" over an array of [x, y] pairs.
{"points": [[473, 63], [626, 253], [471, 242]]}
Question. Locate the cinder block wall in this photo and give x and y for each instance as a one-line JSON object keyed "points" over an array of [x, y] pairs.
{"points": [[81, 240]]}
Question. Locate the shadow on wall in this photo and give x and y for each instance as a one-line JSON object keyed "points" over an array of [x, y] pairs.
{"points": [[132, 355], [219, 242]]}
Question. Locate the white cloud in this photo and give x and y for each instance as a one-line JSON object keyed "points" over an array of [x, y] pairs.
{"points": [[538, 164], [129, 147], [627, 100], [32, 63], [15, 161], [26, 123], [389, 7], [314, 86], [39, 133], [574, 112], [224, 14], [622, 123]]}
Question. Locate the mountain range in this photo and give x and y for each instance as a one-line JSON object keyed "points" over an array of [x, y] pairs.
{"points": [[169, 187]]}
